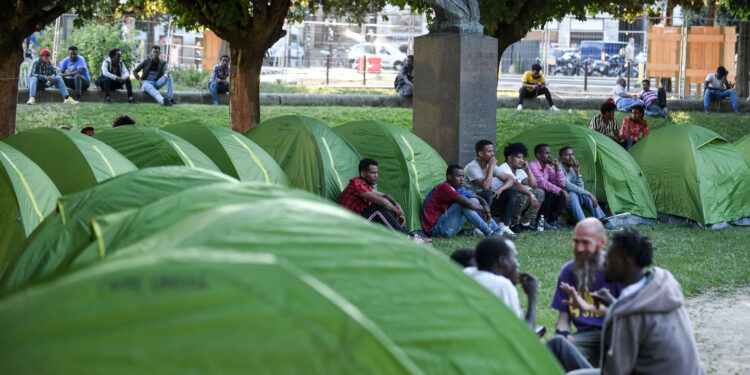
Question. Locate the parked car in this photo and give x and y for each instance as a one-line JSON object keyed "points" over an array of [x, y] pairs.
{"points": [[390, 57]]}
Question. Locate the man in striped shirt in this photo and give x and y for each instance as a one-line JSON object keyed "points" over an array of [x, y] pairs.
{"points": [[605, 122], [654, 102]]}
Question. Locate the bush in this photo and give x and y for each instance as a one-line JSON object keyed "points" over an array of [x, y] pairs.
{"points": [[189, 76], [94, 42]]}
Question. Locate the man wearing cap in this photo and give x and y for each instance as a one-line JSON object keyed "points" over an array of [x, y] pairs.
{"points": [[42, 75]]}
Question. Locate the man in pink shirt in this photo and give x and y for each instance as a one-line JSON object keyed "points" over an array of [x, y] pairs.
{"points": [[550, 178]]}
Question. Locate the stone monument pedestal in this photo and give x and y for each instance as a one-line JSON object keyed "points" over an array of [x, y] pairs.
{"points": [[455, 93]]}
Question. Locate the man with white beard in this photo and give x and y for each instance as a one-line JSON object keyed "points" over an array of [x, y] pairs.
{"points": [[585, 273]]}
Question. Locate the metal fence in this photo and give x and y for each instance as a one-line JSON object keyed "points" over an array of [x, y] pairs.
{"points": [[579, 57]]}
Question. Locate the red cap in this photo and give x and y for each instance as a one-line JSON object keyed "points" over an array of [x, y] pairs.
{"points": [[44, 52]]}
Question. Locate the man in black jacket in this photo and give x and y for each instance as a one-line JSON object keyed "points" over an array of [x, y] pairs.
{"points": [[155, 76]]}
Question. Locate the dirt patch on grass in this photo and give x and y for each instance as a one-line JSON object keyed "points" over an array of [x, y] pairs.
{"points": [[722, 329]]}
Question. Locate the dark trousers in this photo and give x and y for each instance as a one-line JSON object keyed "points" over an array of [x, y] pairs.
{"points": [[551, 207], [78, 83], [106, 84], [380, 214], [523, 93], [567, 354], [501, 206]]}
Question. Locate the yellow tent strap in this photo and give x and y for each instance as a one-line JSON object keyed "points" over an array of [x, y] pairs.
{"points": [[111, 170], [330, 157], [255, 158], [61, 210], [25, 186], [99, 239], [596, 150], [413, 162], [190, 162]]}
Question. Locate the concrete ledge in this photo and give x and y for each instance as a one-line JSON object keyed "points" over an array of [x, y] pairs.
{"points": [[204, 97]]}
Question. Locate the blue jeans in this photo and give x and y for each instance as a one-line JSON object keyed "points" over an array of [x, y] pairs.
{"points": [[655, 110], [576, 203], [719, 94], [216, 88], [35, 82], [453, 219], [626, 104], [152, 88]]}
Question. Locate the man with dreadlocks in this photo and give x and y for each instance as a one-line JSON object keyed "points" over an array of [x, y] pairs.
{"points": [[585, 273]]}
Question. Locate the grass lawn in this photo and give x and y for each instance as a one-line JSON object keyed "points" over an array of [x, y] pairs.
{"points": [[699, 259]]}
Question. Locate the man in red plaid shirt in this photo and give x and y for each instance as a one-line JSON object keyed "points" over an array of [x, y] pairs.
{"points": [[360, 197]]}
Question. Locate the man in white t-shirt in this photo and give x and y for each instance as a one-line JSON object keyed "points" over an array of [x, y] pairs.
{"points": [[717, 86], [482, 178], [530, 197], [497, 271]]}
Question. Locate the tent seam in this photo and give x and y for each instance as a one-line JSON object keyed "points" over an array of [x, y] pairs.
{"points": [[25, 186], [106, 161], [330, 157], [255, 158], [190, 162]]}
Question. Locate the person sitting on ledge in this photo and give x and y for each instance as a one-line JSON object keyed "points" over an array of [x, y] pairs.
{"points": [[114, 76], [717, 86], [41, 75], [532, 86], [219, 83], [155, 76], [75, 72], [404, 82]]}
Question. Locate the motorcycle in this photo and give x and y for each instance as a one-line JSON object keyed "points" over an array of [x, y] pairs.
{"points": [[569, 64]]}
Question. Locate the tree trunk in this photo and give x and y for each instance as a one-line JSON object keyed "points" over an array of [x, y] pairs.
{"points": [[10, 67], [244, 90], [668, 14], [711, 13], [150, 36], [743, 60]]}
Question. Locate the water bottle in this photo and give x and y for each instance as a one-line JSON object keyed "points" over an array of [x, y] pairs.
{"points": [[540, 224]]}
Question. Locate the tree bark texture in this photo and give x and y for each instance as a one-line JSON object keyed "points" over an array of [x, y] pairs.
{"points": [[244, 90], [10, 66], [743, 60], [710, 12], [668, 14]]}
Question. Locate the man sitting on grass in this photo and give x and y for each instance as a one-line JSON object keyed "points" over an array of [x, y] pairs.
{"points": [[482, 178], [574, 186], [623, 100], [634, 126], [529, 196], [646, 329], [361, 198], [447, 207], [605, 122], [549, 176], [655, 102], [497, 271]]}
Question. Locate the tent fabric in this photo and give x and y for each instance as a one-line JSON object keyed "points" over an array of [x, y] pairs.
{"points": [[408, 167], [695, 173], [67, 229], [27, 195], [234, 154], [72, 161], [151, 147], [608, 171], [743, 145], [191, 311], [413, 294], [313, 156]]}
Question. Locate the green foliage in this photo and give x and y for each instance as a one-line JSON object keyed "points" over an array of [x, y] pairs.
{"points": [[94, 40], [190, 77]]}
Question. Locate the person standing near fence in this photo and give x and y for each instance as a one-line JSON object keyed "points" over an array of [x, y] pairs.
{"points": [[219, 83], [75, 72], [155, 76], [42, 75], [114, 76], [717, 86], [532, 86]]}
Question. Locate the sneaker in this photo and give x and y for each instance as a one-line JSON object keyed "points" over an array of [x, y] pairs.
{"points": [[70, 100], [505, 230], [107, 100], [421, 240], [172, 101], [167, 103], [519, 107], [553, 108], [131, 100], [478, 232], [216, 103], [550, 226], [31, 101]]}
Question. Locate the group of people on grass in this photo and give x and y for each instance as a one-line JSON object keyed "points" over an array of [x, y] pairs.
{"points": [[152, 74], [505, 199], [629, 317]]}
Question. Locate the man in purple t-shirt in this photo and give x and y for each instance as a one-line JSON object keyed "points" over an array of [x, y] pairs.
{"points": [[586, 274]]}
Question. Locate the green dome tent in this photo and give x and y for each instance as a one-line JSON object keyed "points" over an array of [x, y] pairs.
{"points": [[608, 170], [151, 147], [189, 311], [408, 167], [743, 145], [72, 161], [695, 174], [313, 156], [27, 195], [441, 319], [235, 155], [64, 232]]}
